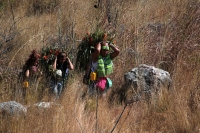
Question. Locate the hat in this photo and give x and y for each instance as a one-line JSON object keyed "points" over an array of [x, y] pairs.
{"points": [[59, 72], [109, 83]]}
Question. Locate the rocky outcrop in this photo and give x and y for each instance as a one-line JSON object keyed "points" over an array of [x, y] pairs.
{"points": [[47, 105], [12, 108], [147, 79]]}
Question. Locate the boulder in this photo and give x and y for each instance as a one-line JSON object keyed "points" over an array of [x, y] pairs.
{"points": [[47, 105], [12, 108], [147, 79], [44, 107]]}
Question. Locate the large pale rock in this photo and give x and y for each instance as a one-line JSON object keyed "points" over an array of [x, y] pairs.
{"points": [[12, 108], [147, 79]]}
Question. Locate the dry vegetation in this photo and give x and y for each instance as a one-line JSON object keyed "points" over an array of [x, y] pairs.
{"points": [[163, 33]]}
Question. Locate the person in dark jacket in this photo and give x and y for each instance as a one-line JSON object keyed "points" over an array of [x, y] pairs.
{"points": [[61, 65]]}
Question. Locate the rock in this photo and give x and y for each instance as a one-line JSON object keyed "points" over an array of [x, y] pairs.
{"points": [[46, 105], [12, 108], [147, 79]]}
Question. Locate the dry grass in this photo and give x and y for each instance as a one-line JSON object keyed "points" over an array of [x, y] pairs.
{"points": [[160, 33]]}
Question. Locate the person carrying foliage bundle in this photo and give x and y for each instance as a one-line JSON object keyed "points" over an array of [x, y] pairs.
{"points": [[30, 72], [31, 69], [61, 66], [101, 66]]}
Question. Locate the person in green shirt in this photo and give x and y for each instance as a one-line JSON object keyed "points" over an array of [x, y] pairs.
{"points": [[101, 65]]}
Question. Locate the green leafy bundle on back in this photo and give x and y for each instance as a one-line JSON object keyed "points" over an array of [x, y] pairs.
{"points": [[87, 44], [48, 56]]}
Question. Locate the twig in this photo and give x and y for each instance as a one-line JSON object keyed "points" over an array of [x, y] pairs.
{"points": [[134, 99], [125, 119], [74, 115], [96, 109], [137, 98], [59, 28], [78, 124], [119, 118], [13, 17]]}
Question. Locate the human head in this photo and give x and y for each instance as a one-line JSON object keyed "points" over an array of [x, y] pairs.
{"points": [[104, 49], [33, 59], [62, 57]]}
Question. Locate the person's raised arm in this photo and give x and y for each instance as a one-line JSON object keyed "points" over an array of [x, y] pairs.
{"points": [[26, 75], [96, 53], [70, 66], [54, 64], [115, 49]]}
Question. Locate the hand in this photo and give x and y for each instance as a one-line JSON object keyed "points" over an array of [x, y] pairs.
{"points": [[98, 46], [56, 57]]}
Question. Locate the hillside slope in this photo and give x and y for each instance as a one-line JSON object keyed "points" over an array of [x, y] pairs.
{"points": [[164, 34]]}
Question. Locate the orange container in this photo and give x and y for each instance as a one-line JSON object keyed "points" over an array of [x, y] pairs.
{"points": [[93, 76], [25, 84]]}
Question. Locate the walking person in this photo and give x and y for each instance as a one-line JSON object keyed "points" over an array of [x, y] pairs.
{"points": [[30, 73], [61, 65], [102, 66]]}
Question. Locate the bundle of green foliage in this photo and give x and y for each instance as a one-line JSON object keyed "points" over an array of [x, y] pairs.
{"points": [[87, 44], [47, 59], [43, 60]]}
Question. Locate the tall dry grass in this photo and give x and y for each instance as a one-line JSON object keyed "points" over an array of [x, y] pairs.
{"points": [[160, 33]]}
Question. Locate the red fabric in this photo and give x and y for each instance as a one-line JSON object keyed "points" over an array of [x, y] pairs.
{"points": [[101, 83], [34, 69]]}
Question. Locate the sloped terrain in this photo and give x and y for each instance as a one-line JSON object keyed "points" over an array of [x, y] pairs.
{"points": [[164, 34]]}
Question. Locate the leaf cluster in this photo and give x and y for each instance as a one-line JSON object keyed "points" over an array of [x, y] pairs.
{"points": [[48, 56], [88, 44]]}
